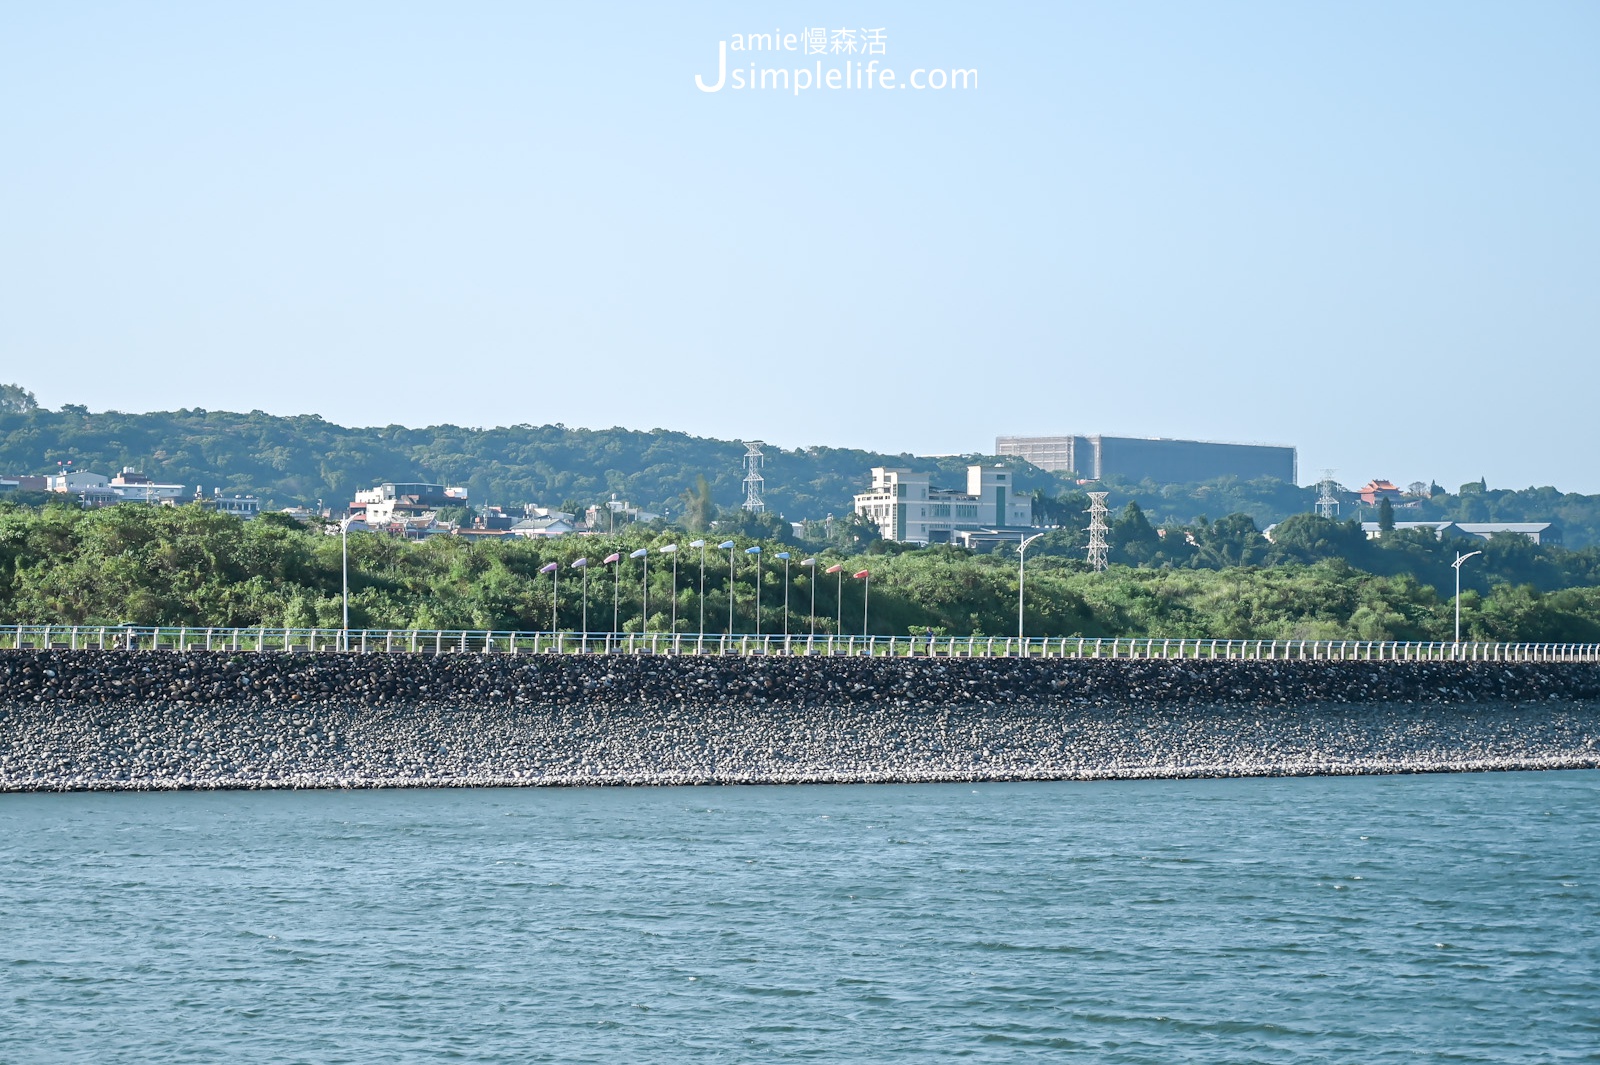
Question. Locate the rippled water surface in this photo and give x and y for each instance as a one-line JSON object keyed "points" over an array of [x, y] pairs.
{"points": [[1438, 918]]}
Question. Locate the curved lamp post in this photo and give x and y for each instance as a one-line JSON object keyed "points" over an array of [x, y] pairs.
{"points": [[672, 549], [554, 569], [727, 545], [644, 603], [812, 563], [838, 602], [1021, 562], [785, 556], [1460, 558], [701, 544], [344, 556], [614, 560], [583, 564], [756, 551]]}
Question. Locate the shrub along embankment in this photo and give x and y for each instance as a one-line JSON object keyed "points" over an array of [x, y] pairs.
{"points": [[91, 719]]}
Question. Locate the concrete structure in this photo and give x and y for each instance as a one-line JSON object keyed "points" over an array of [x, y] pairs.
{"points": [[75, 482], [24, 483], [242, 507], [1438, 528], [538, 528], [135, 487], [407, 509], [1157, 459], [612, 515], [404, 502], [906, 507], [1540, 532]]}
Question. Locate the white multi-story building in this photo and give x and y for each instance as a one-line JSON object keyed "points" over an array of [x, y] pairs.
{"points": [[77, 481], [906, 507], [398, 502], [242, 507], [135, 487]]}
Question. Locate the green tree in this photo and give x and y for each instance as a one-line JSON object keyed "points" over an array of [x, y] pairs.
{"points": [[698, 509], [14, 399]]}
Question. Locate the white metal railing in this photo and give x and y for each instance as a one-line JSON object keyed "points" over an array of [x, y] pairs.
{"points": [[458, 641]]}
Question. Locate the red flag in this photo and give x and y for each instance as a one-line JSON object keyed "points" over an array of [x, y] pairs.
{"points": [[860, 576]]}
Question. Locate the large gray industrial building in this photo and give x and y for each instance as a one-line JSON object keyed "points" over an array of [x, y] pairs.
{"points": [[1155, 459]]}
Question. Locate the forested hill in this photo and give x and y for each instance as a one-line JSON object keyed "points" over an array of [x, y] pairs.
{"points": [[303, 459], [299, 460]]}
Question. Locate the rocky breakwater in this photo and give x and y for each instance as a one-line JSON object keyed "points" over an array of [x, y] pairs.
{"points": [[146, 720]]}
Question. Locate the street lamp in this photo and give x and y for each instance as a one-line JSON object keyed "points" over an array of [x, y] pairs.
{"points": [[672, 549], [644, 608], [811, 562], [344, 567], [785, 556], [701, 544], [727, 545], [838, 602], [866, 597], [1460, 558], [554, 569], [756, 551], [583, 564], [1021, 560], [614, 560]]}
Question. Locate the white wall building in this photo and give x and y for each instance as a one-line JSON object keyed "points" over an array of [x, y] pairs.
{"points": [[135, 487], [399, 503], [242, 507], [76, 481], [906, 507]]}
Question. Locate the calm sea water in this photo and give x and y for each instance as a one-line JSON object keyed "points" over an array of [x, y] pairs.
{"points": [[1435, 918]]}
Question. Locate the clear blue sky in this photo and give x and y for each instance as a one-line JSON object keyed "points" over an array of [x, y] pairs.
{"points": [[1365, 229]]}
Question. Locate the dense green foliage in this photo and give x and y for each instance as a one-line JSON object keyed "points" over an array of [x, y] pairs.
{"points": [[1305, 539], [304, 459], [191, 566], [1266, 502]]}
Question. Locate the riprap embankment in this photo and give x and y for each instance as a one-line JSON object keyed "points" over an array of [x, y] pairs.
{"points": [[154, 720]]}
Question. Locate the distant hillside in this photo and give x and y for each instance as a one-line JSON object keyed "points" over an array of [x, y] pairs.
{"points": [[302, 459]]}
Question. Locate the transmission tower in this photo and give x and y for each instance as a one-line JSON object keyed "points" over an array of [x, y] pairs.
{"points": [[753, 480], [1098, 552], [1328, 496]]}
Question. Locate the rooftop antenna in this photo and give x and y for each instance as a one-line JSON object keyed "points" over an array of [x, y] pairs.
{"points": [[1099, 554], [1328, 496], [753, 480]]}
